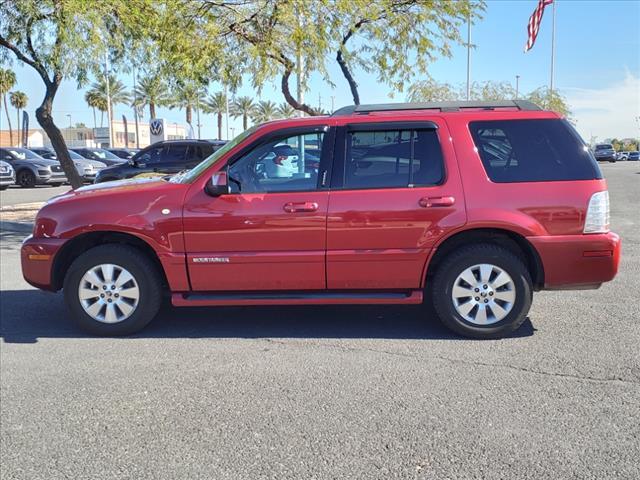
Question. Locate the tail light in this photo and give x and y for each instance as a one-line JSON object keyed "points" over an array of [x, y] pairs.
{"points": [[597, 220]]}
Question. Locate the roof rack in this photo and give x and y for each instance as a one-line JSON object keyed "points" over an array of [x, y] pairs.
{"points": [[442, 106]]}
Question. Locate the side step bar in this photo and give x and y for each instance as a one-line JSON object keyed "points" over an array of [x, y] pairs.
{"points": [[295, 298]]}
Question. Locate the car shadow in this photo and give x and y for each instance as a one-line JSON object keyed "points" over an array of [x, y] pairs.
{"points": [[27, 315]]}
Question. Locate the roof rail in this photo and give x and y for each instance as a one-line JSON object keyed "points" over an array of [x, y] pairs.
{"points": [[442, 106]]}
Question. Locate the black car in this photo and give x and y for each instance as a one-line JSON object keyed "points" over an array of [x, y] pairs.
{"points": [[99, 154], [605, 152], [124, 153], [169, 156]]}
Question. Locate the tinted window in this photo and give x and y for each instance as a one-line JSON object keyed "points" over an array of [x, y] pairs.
{"points": [[197, 153], [150, 156], [604, 147], [284, 164], [393, 158], [533, 151], [174, 154]]}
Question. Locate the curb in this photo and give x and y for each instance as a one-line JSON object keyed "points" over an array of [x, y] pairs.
{"points": [[22, 207]]}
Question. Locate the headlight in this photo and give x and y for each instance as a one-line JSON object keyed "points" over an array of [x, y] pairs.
{"points": [[4, 169]]}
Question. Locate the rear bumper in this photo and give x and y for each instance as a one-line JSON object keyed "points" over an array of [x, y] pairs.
{"points": [[37, 256], [578, 261]]}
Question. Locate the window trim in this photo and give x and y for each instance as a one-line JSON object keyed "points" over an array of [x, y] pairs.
{"points": [[338, 175], [325, 155]]}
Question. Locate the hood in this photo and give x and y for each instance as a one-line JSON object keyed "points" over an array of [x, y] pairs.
{"points": [[41, 161]]}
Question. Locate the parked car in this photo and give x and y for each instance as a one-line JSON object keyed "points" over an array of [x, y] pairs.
{"points": [[124, 153], [87, 169], [622, 156], [31, 169], [170, 156], [7, 175], [633, 156], [605, 152], [385, 220], [99, 154]]}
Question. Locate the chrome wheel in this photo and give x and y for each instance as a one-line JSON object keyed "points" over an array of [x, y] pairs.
{"points": [[108, 293], [483, 294]]}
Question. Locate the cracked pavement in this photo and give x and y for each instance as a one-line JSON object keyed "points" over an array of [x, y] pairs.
{"points": [[327, 392]]}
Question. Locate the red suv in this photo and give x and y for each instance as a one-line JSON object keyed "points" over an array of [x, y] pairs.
{"points": [[470, 207]]}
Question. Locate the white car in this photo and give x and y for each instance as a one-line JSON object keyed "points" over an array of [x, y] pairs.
{"points": [[7, 175]]}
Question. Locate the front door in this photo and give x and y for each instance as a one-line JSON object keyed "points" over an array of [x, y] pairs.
{"points": [[270, 232], [395, 191]]}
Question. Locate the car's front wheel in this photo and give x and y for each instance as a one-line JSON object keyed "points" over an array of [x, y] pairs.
{"points": [[26, 179], [482, 291], [113, 290]]}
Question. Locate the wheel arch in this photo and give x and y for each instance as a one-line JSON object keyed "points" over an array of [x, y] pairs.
{"points": [[505, 238], [81, 243]]}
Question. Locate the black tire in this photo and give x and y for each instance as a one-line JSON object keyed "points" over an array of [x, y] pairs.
{"points": [[56, 184], [26, 179], [4, 187], [143, 270], [465, 257]]}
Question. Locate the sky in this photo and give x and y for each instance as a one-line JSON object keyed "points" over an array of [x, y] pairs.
{"points": [[597, 69]]}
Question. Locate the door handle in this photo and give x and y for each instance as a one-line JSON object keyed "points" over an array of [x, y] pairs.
{"points": [[293, 207], [427, 202]]}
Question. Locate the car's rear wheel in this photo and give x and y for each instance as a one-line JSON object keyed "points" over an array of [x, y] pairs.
{"points": [[482, 291], [56, 184], [26, 179], [113, 290]]}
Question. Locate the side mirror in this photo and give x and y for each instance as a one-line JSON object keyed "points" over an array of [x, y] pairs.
{"points": [[218, 185]]}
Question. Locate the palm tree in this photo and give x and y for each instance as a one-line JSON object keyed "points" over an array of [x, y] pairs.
{"points": [[216, 104], [242, 107], [118, 93], [18, 101], [7, 81], [188, 97], [264, 111], [285, 110], [152, 91], [95, 100]]}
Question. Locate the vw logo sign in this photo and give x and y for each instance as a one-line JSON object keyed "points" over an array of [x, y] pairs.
{"points": [[156, 127]]}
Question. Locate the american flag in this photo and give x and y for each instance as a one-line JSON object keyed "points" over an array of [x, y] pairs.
{"points": [[534, 23]]}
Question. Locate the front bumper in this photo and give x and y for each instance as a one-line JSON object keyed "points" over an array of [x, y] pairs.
{"points": [[7, 180], [53, 178], [37, 256], [578, 261]]}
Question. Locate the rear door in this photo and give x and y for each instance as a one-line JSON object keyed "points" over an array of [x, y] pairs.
{"points": [[395, 191]]}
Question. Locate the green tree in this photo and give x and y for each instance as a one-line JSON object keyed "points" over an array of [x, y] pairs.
{"points": [[285, 110], [264, 111], [243, 107], [7, 81], [553, 101], [95, 100], [19, 102], [118, 93], [153, 92], [217, 105], [431, 91], [188, 96], [64, 39]]}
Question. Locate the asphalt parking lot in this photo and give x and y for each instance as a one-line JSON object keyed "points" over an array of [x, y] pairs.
{"points": [[327, 392]]}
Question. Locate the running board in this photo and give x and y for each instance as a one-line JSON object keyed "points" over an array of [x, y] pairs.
{"points": [[295, 298]]}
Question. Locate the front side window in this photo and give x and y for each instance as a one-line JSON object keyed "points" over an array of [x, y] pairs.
{"points": [[173, 154], [284, 164], [533, 151], [393, 158]]}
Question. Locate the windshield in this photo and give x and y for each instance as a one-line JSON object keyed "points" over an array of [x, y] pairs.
{"points": [[191, 175], [104, 154], [604, 147], [75, 156], [24, 154]]}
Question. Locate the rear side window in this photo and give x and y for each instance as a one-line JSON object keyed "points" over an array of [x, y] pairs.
{"points": [[174, 154], [533, 151], [392, 158]]}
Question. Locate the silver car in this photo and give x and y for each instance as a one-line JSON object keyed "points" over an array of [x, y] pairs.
{"points": [[87, 169], [7, 175], [31, 169]]}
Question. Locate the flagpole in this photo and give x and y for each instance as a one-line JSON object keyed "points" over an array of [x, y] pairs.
{"points": [[553, 46]]}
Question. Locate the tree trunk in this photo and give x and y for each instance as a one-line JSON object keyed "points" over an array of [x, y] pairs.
{"points": [[347, 75], [244, 121], [188, 114], [95, 125], [6, 110], [289, 98], [43, 114], [152, 110], [101, 118], [19, 128], [219, 125]]}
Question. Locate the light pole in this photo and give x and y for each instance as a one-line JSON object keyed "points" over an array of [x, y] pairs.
{"points": [[517, 85]]}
